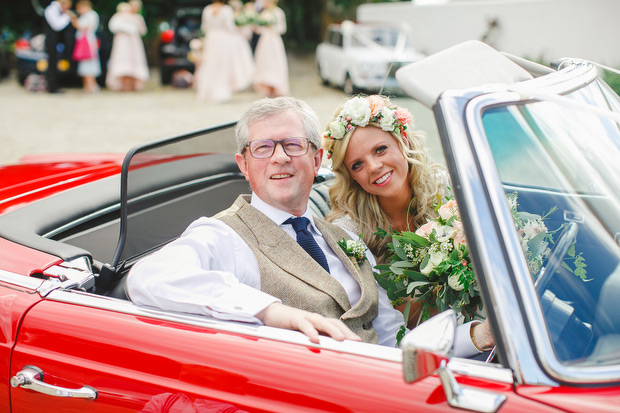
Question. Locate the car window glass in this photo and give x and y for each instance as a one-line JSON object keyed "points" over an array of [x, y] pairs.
{"points": [[387, 37], [559, 169], [337, 38]]}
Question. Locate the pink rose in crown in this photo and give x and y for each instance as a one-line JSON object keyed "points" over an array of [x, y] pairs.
{"points": [[376, 104], [403, 116]]}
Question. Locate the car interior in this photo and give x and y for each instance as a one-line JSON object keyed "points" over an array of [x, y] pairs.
{"points": [[164, 186]]}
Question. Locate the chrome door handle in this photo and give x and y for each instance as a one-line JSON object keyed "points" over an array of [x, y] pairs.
{"points": [[31, 377]]}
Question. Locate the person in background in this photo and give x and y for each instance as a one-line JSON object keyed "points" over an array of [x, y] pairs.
{"points": [[127, 68], [226, 60], [59, 33], [271, 76], [87, 24]]}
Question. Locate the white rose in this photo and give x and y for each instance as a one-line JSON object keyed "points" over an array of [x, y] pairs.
{"points": [[387, 120], [437, 257], [444, 233], [358, 110], [337, 129], [453, 282]]}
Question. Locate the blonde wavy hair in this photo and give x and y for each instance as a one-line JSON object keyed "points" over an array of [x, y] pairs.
{"points": [[427, 181]]}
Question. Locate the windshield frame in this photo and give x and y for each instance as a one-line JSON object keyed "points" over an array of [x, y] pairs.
{"points": [[529, 304]]}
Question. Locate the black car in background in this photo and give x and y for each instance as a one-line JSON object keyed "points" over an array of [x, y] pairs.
{"points": [[31, 57], [175, 37]]}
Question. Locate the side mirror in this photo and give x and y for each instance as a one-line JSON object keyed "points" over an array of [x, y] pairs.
{"points": [[427, 349], [427, 345]]}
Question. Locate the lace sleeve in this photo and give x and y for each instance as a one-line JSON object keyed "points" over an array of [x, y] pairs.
{"points": [[346, 222]]}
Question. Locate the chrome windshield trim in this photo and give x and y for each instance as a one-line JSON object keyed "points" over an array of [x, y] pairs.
{"points": [[535, 321], [510, 325], [294, 337]]}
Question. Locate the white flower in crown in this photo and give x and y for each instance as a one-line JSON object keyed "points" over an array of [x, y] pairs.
{"points": [[356, 111], [361, 111], [387, 120], [337, 129]]}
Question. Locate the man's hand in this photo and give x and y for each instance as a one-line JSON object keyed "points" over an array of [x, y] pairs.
{"points": [[311, 324], [482, 335]]}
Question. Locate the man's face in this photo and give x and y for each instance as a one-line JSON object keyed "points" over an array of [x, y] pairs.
{"points": [[282, 181]]}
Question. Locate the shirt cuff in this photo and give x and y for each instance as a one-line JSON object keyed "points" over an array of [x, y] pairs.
{"points": [[463, 346], [241, 303]]}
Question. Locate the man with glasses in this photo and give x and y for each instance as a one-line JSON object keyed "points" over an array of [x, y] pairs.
{"points": [[245, 263], [266, 258]]}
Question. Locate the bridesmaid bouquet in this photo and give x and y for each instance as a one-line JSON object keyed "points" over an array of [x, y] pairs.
{"points": [[266, 18]]}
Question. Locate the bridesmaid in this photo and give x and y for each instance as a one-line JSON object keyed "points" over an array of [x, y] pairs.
{"points": [[271, 77], [226, 63]]}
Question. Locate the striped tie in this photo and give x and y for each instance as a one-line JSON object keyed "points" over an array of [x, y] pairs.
{"points": [[306, 240]]}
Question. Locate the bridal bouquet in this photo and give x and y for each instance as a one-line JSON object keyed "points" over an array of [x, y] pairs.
{"points": [[432, 265]]}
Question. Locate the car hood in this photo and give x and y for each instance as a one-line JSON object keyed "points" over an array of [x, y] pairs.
{"points": [[36, 177]]}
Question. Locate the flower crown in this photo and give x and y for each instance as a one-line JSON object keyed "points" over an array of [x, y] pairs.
{"points": [[362, 111]]}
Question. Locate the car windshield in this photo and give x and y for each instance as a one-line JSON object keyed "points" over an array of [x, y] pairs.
{"points": [[382, 36], [559, 168]]}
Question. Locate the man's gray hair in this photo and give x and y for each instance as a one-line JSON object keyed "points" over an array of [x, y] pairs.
{"points": [[267, 107]]}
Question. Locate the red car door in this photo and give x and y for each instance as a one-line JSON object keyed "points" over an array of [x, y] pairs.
{"points": [[111, 360]]}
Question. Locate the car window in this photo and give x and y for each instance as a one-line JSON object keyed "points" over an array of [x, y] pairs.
{"points": [[336, 38], [387, 37], [559, 169]]}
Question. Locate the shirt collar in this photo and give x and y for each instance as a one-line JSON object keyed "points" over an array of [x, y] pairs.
{"points": [[276, 215]]}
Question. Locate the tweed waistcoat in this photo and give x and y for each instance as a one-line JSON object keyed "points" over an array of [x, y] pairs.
{"points": [[292, 275]]}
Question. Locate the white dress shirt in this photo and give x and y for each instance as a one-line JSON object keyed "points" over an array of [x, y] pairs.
{"points": [[210, 270], [56, 17]]}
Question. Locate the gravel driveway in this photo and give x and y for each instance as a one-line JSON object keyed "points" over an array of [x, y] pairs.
{"points": [[34, 123]]}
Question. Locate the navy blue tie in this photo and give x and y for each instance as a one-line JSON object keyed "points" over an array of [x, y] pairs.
{"points": [[306, 240]]}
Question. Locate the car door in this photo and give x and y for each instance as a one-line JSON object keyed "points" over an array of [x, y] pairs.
{"points": [[102, 354]]}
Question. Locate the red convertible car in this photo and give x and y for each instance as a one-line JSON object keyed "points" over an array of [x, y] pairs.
{"points": [[71, 228]]}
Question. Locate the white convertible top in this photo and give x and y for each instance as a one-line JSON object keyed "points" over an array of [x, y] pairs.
{"points": [[465, 65]]}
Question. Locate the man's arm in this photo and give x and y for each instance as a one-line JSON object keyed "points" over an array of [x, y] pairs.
{"points": [[199, 274]]}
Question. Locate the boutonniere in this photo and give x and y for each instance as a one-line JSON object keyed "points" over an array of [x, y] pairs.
{"points": [[355, 249]]}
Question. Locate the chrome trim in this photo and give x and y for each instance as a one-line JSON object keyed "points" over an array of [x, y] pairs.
{"points": [[288, 336], [19, 280], [481, 370], [543, 349], [83, 219], [31, 378], [468, 397]]}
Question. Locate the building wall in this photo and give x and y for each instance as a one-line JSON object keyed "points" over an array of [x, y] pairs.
{"points": [[540, 30]]}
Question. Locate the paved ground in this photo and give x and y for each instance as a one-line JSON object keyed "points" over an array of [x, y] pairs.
{"points": [[33, 123]]}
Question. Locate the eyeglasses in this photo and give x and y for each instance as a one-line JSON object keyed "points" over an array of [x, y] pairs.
{"points": [[264, 148]]}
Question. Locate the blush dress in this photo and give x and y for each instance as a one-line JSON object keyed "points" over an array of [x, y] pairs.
{"points": [[226, 65], [128, 57], [270, 55]]}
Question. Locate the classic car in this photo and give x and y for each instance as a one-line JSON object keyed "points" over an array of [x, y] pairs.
{"points": [[364, 56], [71, 228]]}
